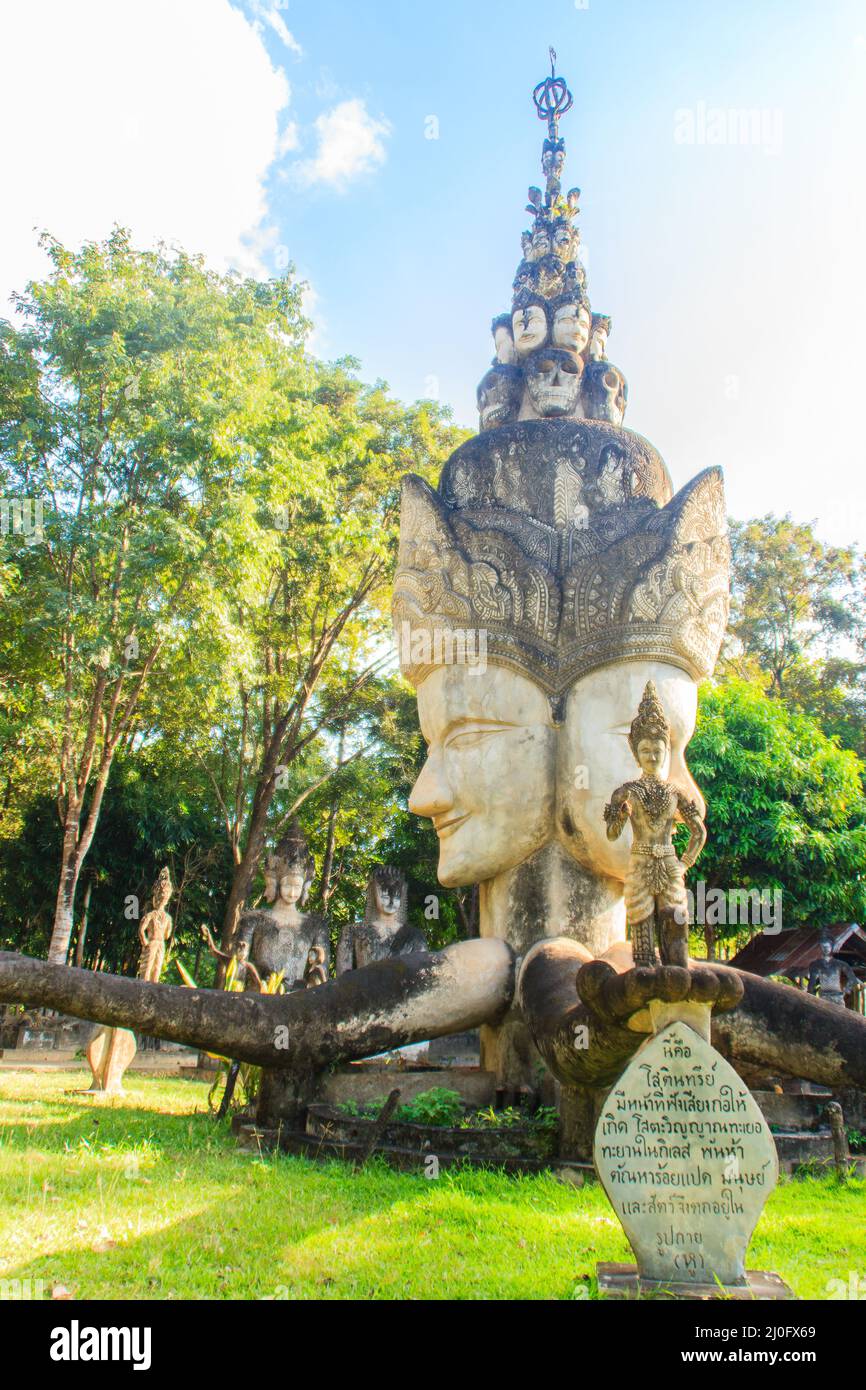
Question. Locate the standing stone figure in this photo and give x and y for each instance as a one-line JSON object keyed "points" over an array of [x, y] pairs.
{"points": [[154, 931], [384, 931], [282, 936], [655, 892], [111, 1050], [244, 976], [831, 975]]}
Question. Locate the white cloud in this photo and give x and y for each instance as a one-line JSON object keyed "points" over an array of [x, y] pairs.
{"points": [[350, 143], [271, 16], [160, 116]]}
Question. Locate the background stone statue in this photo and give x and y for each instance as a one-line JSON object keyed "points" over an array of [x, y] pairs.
{"points": [[154, 930], [283, 935], [384, 931], [831, 975]]}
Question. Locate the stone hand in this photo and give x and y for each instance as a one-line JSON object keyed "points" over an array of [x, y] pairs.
{"points": [[613, 998]]}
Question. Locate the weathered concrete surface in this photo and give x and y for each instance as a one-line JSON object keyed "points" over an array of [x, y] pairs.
{"points": [[394, 1002]]}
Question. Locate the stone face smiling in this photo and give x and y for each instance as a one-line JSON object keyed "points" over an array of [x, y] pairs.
{"points": [[571, 327], [488, 782]]}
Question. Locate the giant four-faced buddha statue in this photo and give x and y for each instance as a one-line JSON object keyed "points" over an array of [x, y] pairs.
{"points": [[556, 533]]}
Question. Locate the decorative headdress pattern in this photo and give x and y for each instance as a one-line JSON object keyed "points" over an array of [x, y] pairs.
{"points": [[650, 720]]}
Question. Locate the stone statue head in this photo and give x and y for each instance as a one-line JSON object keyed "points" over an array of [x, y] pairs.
{"points": [[499, 396], [488, 782], [529, 325], [539, 243], [605, 392], [289, 869], [553, 381], [162, 889], [571, 324], [826, 947], [649, 737], [386, 893], [503, 339]]}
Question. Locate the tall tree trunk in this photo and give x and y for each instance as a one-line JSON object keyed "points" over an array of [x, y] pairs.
{"points": [[61, 930], [82, 930]]}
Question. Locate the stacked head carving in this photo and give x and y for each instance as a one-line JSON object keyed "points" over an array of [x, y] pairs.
{"points": [[548, 339]]}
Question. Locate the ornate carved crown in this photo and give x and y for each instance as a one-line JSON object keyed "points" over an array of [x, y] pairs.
{"points": [[556, 547], [650, 720]]}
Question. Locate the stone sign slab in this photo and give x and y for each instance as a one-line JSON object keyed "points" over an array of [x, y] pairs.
{"points": [[687, 1160]]}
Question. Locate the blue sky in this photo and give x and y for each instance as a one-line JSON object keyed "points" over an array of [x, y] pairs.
{"points": [[733, 271]]}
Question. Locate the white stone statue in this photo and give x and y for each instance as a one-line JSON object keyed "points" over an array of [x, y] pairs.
{"points": [[283, 935]]}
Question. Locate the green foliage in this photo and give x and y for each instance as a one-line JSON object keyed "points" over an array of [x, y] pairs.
{"points": [[786, 806], [798, 622]]}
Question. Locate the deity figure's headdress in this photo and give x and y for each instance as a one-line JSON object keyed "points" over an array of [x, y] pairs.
{"points": [[650, 720], [292, 852], [163, 886], [554, 543]]}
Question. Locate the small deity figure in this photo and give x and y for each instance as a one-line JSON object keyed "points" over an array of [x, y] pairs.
{"points": [[831, 975], [283, 935], [601, 325], [245, 974], [384, 931], [316, 969], [655, 892], [154, 931]]}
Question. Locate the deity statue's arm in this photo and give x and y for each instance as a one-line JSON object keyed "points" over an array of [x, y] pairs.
{"points": [[688, 813], [617, 812], [142, 928], [211, 944], [251, 970], [813, 981]]}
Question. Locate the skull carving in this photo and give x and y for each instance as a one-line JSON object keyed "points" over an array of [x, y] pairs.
{"points": [[499, 395], [605, 392], [553, 381]]}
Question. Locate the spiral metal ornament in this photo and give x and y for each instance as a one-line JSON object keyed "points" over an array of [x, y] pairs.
{"points": [[552, 99]]}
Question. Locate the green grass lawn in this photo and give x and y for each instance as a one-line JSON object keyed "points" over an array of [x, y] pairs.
{"points": [[147, 1197]]}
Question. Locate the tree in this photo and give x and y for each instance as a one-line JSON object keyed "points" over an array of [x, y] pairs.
{"points": [[798, 622], [132, 400], [786, 807]]}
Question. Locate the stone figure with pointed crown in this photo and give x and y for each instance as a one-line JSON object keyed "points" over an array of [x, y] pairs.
{"points": [[154, 931], [655, 892], [282, 936]]}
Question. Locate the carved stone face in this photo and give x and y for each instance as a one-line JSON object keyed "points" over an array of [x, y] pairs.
{"points": [[571, 324], [499, 396], [563, 242], [605, 394], [652, 755], [503, 341], [530, 328], [488, 782], [552, 162], [388, 899], [594, 756], [539, 245], [292, 885], [553, 382]]}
